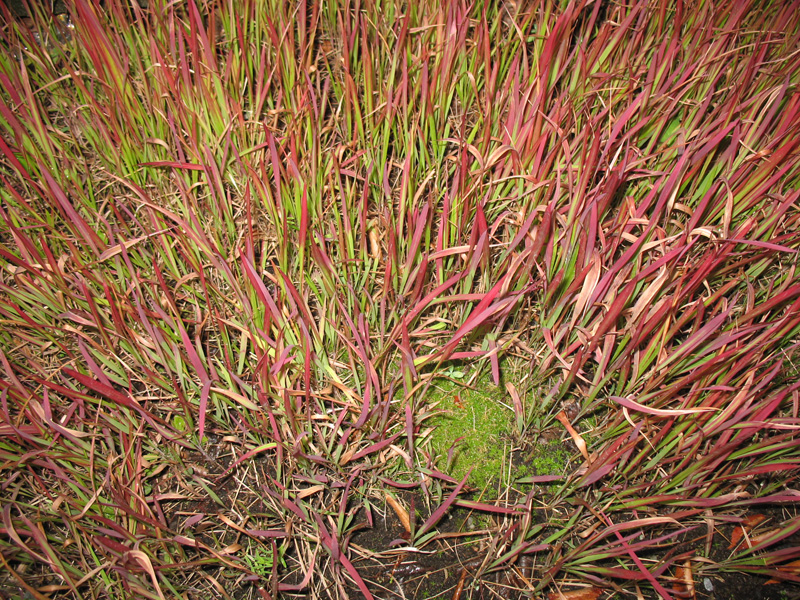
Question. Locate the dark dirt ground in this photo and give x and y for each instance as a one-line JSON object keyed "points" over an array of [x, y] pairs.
{"points": [[449, 573]]}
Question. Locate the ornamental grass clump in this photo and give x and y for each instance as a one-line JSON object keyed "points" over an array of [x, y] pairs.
{"points": [[240, 241]]}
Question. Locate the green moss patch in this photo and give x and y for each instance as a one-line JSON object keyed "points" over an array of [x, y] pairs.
{"points": [[548, 458], [474, 428], [477, 425]]}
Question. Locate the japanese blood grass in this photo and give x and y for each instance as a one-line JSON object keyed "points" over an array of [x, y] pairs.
{"points": [[257, 229]]}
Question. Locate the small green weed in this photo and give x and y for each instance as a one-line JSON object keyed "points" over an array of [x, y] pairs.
{"points": [[260, 560]]}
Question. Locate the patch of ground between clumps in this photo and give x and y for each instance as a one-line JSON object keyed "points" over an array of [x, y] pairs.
{"points": [[732, 586], [709, 581], [454, 561], [199, 515]]}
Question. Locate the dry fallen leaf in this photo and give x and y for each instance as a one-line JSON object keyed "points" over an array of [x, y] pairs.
{"points": [[684, 584], [747, 525], [144, 561], [309, 491], [576, 437], [401, 512], [591, 593], [232, 549], [753, 520]]}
